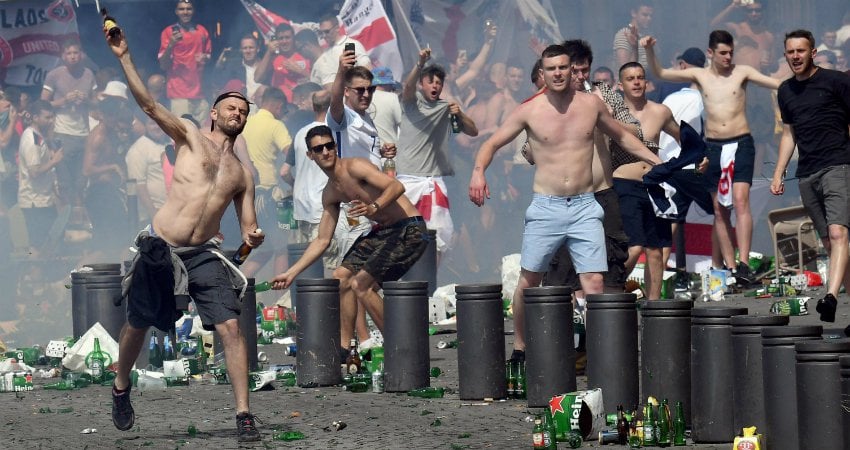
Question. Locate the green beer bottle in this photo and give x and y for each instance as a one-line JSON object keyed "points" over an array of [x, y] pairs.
{"points": [[154, 352], [427, 392], [649, 427], [664, 425], [510, 375], [679, 425], [278, 324], [551, 432], [64, 385], [168, 349], [263, 287], [574, 439], [538, 434], [96, 362], [634, 436], [356, 386], [520, 384]]}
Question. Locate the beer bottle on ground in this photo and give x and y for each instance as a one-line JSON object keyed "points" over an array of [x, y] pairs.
{"points": [[679, 425]]}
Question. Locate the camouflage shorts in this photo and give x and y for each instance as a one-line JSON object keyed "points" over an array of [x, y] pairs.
{"points": [[387, 253]]}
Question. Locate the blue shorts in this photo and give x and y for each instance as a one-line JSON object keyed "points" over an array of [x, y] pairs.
{"points": [[551, 221]]}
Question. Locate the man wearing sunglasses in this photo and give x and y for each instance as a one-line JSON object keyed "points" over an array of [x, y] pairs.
{"points": [[325, 68], [391, 247]]}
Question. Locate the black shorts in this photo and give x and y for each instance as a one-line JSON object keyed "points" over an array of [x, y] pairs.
{"points": [[643, 227], [690, 188], [387, 253], [561, 271], [745, 157]]}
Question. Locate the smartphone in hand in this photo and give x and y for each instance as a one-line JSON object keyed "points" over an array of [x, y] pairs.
{"points": [[349, 47]]}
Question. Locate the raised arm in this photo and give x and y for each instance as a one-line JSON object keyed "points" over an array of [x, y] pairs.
{"points": [[723, 16], [337, 108], [263, 70], [477, 64], [761, 79], [648, 42], [170, 124], [408, 91]]}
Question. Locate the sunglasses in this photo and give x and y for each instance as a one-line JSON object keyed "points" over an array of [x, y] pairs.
{"points": [[330, 146], [362, 90]]}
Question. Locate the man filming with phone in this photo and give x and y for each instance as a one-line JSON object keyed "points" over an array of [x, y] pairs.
{"points": [[286, 66], [325, 67], [184, 50]]}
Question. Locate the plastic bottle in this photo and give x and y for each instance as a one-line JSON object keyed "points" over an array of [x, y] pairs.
{"points": [[378, 379], [389, 167]]}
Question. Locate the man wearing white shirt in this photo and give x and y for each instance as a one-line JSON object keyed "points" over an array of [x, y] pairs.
{"points": [[309, 180], [144, 164], [325, 67]]}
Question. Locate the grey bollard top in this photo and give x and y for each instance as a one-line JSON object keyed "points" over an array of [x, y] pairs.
{"points": [[712, 373], [780, 380], [665, 336], [481, 342], [550, 367], [406, 351], [612, 348], [747, 391], [318, 358], [820, 423]]}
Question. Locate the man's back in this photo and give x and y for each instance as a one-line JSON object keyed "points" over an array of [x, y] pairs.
{"points": [[206, 178]]}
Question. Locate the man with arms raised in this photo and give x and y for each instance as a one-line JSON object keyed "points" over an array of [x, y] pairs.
{"points": [[559, 124], [731, 150], [815, 107], [384, 254], [181, 240]]}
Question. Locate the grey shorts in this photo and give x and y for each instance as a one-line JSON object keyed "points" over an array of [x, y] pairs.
{"points": [[826, 196], [212, 289]]}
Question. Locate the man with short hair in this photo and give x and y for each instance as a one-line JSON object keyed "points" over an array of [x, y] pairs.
{"points": [[268, 142], [815, 107], [144, 162], [604, 75], [559, 123], [424, 138], [69, 90], [288, 67], [243, 68], [308, 179], [39, 154], [325, 67], [384, 254], [184, 50], [626, 46], [731, 150], [179, 253]]}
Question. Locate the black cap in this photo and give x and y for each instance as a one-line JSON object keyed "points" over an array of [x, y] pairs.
{"points": [[693, 56]]}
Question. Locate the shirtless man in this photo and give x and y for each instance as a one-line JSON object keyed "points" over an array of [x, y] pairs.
{"points": [[647, 233], [559, 123], [207, 177], [383, 254], [723, 87]]}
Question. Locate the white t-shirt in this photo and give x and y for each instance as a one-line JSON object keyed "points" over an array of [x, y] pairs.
{"points": [[34, 191], [356, 136], [385, 112], [686, 104], [310, 181], [144, 164], [326, 65]]}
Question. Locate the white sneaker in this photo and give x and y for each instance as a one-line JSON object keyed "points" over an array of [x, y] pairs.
{"points": [[367, 344]]}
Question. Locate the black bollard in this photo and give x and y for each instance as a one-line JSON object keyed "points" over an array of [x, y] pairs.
{"points": [[780, 381], [406, 353], [481, 342], [248, 324], [425, 268], [550, 356], [747, 392], [819, 393], [318, 357], [665, 349], [612, 350], [844, 364], [712, 373], [314, 271], [104, 305], [79, 298]]}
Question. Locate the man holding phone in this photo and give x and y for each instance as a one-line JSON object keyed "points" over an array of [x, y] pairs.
{"points": [[325, 67], [288, 67], [184, 49]]}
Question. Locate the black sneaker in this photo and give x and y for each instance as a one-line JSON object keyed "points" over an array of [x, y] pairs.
{"points": [[246, 428], [682, 281], [123, 415], [826, 307], [743, 276], [847, 331], [517, 356]]}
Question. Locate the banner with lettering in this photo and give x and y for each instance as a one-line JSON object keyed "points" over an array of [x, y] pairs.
{"points": [[31, 37]]}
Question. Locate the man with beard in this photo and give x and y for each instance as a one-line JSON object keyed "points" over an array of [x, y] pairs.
{"points": [[814, 105], [559, 123], [179, 254], [731, 149]]}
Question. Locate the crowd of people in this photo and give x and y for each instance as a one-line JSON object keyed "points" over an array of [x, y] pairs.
{"points": [[609, 161]]}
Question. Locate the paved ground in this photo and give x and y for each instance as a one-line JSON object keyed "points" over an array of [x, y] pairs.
{"points": [[392, 421]]}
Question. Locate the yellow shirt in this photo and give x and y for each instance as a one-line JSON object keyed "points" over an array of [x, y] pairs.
{"points": [[266, 137]]}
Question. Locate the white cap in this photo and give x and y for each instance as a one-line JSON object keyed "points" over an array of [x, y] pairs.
{"points": [[116, 89]]}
